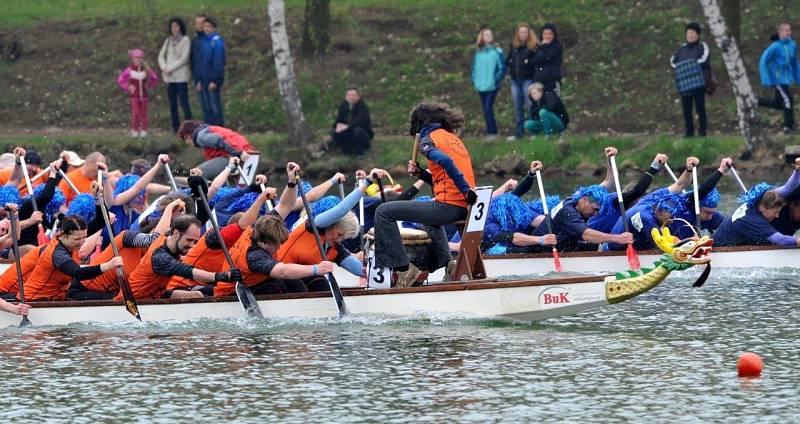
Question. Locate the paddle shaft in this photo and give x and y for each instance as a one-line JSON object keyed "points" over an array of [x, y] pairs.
{"points": [[696, 196], [341, 190], [669, 171], [214, 224], [270, 205], [544, 202], [738, 180], [380, 187], [41, 173], [28, 184], [615, 173], [14, 220], [415, 152], [244, 177], [168, 170], [334, 286], [69, 182]]}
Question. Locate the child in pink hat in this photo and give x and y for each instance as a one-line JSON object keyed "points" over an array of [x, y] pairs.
{"points": [[136, 80]]}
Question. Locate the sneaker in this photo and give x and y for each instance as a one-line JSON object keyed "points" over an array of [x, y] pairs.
{"points": [[511, 138], [407, 278], [142, 134], [448, 271]]}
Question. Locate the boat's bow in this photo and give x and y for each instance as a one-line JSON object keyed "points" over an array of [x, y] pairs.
{"points": [[678, 255]]}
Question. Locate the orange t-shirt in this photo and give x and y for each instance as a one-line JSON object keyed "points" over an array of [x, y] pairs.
{"points": [[8, 280], [82, 183], [5, 175]]}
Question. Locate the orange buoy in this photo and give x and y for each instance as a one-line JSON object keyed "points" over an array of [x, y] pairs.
{"points": [[749, 365]]}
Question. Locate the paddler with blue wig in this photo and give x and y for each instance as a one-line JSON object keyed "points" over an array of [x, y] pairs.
{"points": [[750, 223], [709, 198], [656, 209], [128, 199], [511, 222]]}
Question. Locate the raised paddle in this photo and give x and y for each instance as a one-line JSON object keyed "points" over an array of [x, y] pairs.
{"points": [[380, 186], [69, 182], [334, 286], [415, 152], [245, 295], [556, 259], [738, 180], [669, 171], [696, 196], [241, 172], [124, 285], [41, 237], [12, 217], [633, 257], [171, 178], [341, 189], [40, 174]]}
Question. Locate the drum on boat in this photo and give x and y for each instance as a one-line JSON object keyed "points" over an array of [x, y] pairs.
{"points": [[418, 247]]}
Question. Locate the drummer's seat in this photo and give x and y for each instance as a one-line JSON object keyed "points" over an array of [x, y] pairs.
{"points": [[469, 262]]}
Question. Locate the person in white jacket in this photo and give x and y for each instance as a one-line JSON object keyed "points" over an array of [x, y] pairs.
{"points": [[174, 63]]}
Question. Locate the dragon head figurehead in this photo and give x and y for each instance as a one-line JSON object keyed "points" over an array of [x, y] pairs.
{"points": [[682, 254]]}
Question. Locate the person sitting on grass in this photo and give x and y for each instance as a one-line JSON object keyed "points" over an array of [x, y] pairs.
{"points": [[548, 114], [352, 130]]}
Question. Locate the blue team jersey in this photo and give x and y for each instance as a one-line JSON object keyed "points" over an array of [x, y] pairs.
{"points": [[605, 222], [641, 220], [568, 225], [746, 226]]}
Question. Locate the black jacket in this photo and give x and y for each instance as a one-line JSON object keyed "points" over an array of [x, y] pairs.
{"points": [[547, 62], [698, 51], [357, 116], [519, 63], [552, 103]]}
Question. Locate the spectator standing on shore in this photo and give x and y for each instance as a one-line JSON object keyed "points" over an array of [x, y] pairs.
{"points": [[212, 73], [520, 71], [548, 58], [196, 56], [693, 51], [352, 130], [548, 114], [173, 59], [779, 69], [137, 80], [488, 70]]}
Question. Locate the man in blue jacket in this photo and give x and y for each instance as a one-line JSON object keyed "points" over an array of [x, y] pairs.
{"points": [[212, 73], [779, 69], [196, 60]]}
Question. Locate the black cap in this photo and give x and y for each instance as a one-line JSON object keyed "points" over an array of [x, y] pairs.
{"points": [[32, 157], [694, 26]]}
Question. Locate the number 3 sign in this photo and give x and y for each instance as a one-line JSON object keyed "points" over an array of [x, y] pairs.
{"points": [[479, 211]]}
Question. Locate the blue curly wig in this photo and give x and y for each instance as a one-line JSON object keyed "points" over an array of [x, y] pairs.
{"points": [[83, 206], [754, 194], [51, 209], [510, 212], [125, 183], [711, 200], [535, 205], [324, 204], [243, 203], [596, 193], [666, 201], [305, 186], [9, 194], [222, 193]]}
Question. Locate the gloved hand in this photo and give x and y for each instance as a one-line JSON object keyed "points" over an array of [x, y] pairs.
{"points": [[197, 183], [228, 276], [471, 197]]}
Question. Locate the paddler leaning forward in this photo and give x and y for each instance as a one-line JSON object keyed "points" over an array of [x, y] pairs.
{"points": [[452, 179]]}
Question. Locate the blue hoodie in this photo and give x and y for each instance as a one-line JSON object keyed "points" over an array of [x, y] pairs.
{"points": [[212, 60], [778, 64], [488, 68]]}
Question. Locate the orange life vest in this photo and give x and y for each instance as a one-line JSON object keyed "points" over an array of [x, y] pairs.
{"points": [[301, 248], [5, 175], [233, 138], [200, 256], [8, 280], [144, 282], [239, 256], [46, 282], [444, 189], [108, 281]]}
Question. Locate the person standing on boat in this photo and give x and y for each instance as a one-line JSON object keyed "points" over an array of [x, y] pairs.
{"points": [[218, 144], [510, 223], [750, 223], [162, 261], [452, 181]]}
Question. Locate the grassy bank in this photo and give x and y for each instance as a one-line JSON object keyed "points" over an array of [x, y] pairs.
{"points": [[617, 77]]}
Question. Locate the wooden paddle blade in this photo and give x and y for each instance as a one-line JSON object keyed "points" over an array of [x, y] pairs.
{"points": [[633, 258], [703, 277], [248, 301], [127, 294], [24, 322], [557, 260]]}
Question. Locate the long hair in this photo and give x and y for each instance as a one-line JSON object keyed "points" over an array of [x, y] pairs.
{"points": [[480, 43], [188, 127], [178, 21], [426, 113], [533, 40]]}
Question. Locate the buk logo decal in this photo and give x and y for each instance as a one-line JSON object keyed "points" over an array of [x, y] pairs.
{"points": [[636, 220], [554, 296], [739, 212]]}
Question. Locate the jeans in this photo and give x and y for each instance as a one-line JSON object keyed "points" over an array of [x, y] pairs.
{"points": [[548, 123], [783, 100], [487, 104], [522, 103], [212, 167], [211, 101], [178, 91], [389, 250], [698, 96], [352, 141]]}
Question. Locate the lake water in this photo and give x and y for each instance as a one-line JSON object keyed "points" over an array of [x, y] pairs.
{"points": [[665, 356]]}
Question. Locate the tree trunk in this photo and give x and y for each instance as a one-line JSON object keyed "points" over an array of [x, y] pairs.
{"points": [[287, 82], [746, 103], [731, 12], [316, 28]]}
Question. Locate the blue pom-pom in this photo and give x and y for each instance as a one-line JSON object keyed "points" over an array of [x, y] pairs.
{"points": [[754, 194], [9, 194], [666, 201], [125, 183], [510, 212], [51, 209], [535, 205], [305, 186], [324, 204], [424, 199], [221, 194], [711, 200], [83, 206], [243, 203]]}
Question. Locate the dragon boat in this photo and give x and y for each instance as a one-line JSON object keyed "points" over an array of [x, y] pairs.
{"points": [[512, 300]]}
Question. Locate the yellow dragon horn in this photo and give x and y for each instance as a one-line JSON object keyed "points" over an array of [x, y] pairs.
{"points": [[663, 239]]}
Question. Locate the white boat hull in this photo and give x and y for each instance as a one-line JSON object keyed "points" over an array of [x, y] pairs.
{"points": [[515, 301]]}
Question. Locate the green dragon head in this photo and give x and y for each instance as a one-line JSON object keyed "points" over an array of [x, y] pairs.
{"points": [[682, 254]]}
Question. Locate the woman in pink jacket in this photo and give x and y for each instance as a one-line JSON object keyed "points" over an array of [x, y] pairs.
{"points": [[137, 80]]}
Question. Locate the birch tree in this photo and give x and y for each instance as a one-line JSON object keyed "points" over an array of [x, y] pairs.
{"points": [[299, 131], [746, 102]]}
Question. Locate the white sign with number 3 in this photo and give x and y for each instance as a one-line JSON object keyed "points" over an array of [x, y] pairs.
{"points": [[479, 211], [377, 278]]}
